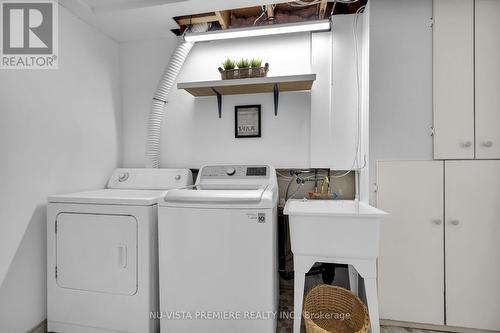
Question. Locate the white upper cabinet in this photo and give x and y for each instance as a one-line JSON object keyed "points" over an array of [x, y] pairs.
{"points": [[487, 71], [466, 69], [334, 114], [453, 79]]}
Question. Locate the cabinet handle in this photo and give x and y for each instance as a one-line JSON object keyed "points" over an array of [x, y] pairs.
{"points": [[455, 222], [437, 221], [466, 144], [487, 144]]}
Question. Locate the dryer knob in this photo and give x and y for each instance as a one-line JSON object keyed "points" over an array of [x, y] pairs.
{"points": [[230, 171], [123, 176], [177, 177]]}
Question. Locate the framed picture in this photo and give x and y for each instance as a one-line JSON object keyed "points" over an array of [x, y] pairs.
{"points": [[247, 121]]}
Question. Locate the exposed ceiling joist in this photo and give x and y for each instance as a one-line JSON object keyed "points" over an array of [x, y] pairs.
{"points": [[270, 13], [322, 9], [224, 18], [195, 19], [277, 13]]}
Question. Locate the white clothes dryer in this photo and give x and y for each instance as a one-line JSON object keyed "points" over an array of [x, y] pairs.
{"points": [[102, 254]]}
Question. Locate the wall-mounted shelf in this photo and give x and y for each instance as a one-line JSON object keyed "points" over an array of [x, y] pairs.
{"points": [[275, 85]]}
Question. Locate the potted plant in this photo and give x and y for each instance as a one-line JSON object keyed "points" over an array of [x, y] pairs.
{"points": [[228, 70], [245, 69], [256, 68]]}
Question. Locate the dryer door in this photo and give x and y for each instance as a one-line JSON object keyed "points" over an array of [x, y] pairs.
{"points": [[97, 253]]}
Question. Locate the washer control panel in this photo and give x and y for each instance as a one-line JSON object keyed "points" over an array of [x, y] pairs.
{"points": [[235, 171]]}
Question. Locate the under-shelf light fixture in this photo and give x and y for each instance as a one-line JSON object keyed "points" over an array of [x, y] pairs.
{"points": [[264, 30]]}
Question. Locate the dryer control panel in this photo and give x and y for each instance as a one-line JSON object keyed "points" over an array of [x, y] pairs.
{"points": [[235, 171], [150, 179]]}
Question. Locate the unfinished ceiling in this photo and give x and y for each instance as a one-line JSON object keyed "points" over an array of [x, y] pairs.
{"points": [[288, 12], [128, 20]]}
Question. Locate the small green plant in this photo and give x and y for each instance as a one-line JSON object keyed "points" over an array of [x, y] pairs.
{"points": [[243, 63], [228, 64], [255, 63]]}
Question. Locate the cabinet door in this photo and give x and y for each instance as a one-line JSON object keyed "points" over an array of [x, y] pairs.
{"points": [[487, 60], [473, 244], [453, 79], [411, 261], [333, 99]]}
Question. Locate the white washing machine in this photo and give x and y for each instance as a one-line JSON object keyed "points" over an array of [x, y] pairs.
{"points": [[217, 252], [102, 254]]}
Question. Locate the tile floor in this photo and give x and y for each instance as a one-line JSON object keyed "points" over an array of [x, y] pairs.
{"points": [[403, 330]]}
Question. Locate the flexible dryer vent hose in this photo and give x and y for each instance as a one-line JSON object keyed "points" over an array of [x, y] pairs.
{"points": [[160, 98]]}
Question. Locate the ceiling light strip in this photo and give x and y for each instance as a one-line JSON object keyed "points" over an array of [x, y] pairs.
{"points": [[266, 30]]}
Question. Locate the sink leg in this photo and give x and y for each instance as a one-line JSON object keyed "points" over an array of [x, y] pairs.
{"points": [[372, 300], [353, 279], [298, 299]]}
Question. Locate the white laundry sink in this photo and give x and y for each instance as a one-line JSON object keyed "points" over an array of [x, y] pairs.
{"points": [[327, 228]]}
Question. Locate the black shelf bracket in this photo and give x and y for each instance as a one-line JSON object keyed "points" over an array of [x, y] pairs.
{"points": [[276, 92], [219, 101]]}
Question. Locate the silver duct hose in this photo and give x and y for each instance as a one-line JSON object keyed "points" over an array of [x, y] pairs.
{"points": [[160, 98]]}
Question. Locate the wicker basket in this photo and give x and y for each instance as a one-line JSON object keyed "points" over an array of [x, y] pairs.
{"points": [[335, 310], [244, 73]]}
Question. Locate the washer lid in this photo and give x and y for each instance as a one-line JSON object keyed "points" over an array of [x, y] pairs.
{"points": [[111, 197], [218, 196]]}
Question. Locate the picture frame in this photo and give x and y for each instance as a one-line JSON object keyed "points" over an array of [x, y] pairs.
{"points": [[247, 121]]}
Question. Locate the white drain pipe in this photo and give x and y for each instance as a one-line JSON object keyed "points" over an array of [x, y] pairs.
{"points": [[160, 98]]}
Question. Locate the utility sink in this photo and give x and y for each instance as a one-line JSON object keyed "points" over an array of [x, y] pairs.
{"points": [[334, 228], [339, 232]]}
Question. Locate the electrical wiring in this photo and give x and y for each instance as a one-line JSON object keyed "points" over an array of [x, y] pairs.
{"points": [[299, 180], [303, 3], [288, 186], [308, 178], [299, 186], [261, 15], [358, 81], [341, 175], [355, 164], [312, 179], [333, 7], [295, 177], [282, 175], [297, 172], [300, 3]]}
